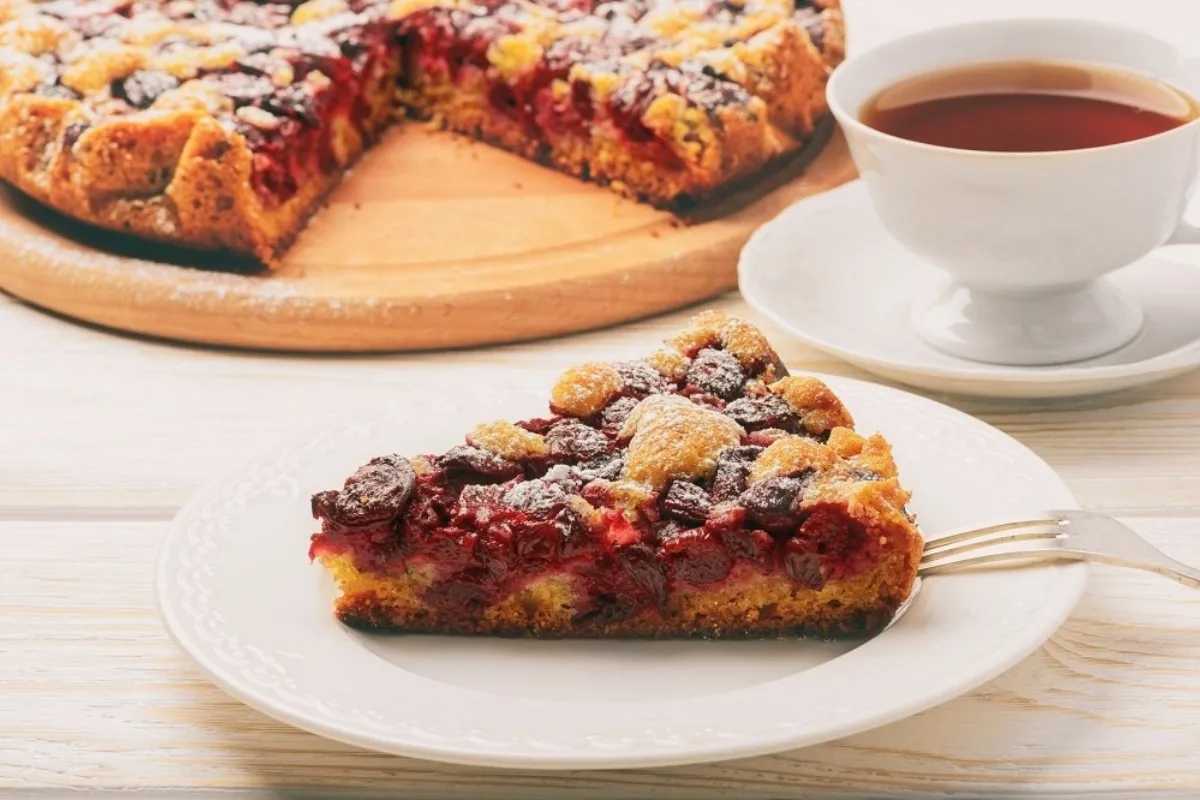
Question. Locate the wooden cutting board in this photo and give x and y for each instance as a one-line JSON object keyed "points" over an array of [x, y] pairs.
{"points": [[433, 241]]}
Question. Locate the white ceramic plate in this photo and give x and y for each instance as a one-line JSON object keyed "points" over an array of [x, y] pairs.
{"points": [[828, 272], [238, 593]]}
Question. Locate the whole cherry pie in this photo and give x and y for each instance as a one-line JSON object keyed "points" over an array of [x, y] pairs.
{"points": [[221, 124], [699, 492]]}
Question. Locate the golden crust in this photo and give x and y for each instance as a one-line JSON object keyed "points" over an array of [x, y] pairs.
{"points": [[780, 66], [171, 176], [833, 31], [671, 364], [875, 457], [845, 442], [749, 605]]}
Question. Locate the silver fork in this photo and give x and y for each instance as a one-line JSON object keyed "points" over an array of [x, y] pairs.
{"points": [[1053, 535]]}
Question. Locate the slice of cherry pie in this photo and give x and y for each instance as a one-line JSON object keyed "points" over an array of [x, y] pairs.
{"points": [[699, 492]]}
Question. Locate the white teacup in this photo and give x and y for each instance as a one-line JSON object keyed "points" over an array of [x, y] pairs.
{"points": [[1025, 237]]}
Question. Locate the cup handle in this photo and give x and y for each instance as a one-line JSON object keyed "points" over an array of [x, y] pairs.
{"points": [[1186, 233]]}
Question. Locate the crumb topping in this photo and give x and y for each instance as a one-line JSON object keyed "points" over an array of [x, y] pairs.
{"points": [[819, 409], [740, 339], [582, 391], [791, 456], [671, 364], [672, 437], [507, 441], [631, 497], [38, 35], [314, 10], [94, 67]]}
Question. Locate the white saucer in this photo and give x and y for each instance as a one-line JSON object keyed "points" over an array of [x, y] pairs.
{"points": [[827, 272]]}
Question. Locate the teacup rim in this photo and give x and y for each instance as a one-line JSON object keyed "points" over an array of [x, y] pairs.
{"points": [[849, 119]]}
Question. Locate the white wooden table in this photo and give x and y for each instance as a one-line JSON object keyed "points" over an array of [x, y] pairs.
{"points": [[103, 437]]}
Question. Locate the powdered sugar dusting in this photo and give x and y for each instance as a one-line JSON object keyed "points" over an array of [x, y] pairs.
{"points": [[584, 390], [507, 440], [536, 497], [674, 437], [141, 281]]}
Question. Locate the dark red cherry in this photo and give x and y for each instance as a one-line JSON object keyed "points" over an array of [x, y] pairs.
{"points": [[733, 467], [773, 504], [718, 373], [685, 502], [378, 491], [757, 413], [573, 441], [802, 565], [695, 555], [472, 462]]}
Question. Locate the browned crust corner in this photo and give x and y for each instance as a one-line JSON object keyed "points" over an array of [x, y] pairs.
{"points": [[174, 176]]}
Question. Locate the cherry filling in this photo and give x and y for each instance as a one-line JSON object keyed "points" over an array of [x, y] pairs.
{"points": [[704, 89], [295, 137], [451, 45], [279, 160], [442, 42], [487, 526], [810, 17], [570, 112], [486, 541]]}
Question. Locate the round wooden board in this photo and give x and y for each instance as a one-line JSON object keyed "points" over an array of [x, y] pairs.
{"points": [[432, 241]]}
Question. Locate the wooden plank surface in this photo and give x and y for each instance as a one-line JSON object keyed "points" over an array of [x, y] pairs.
{"points": [[141, 425], [102, 437], [94, 694]]}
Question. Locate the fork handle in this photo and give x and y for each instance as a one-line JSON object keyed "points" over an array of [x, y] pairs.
{"points": [[1168, 568], [1180, 573]]}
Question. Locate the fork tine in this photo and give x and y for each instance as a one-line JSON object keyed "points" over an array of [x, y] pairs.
{"points": [[956, 564], [1067, 535], [974, 533], [941, 551]]}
